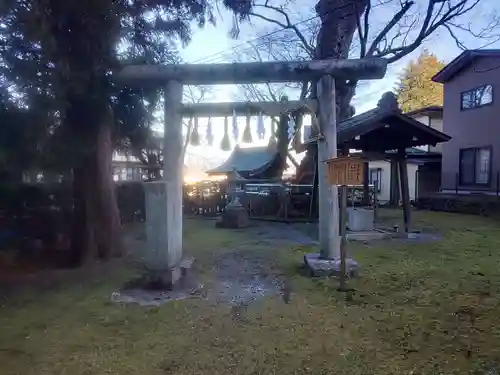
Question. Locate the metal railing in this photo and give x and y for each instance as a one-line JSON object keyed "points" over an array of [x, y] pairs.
{"points": [[453, 185], [275, 201]]}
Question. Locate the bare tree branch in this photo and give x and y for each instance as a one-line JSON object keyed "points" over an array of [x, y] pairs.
{"points": [[457, 40], [397, 17], [363, 32], [432, 21], [287, 25], [194, 94], [392, 39]]}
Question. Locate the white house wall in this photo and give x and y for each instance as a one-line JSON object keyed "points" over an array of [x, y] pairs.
{"points": [[384, 194], [437, 123], [412, 178], [385, 189]]}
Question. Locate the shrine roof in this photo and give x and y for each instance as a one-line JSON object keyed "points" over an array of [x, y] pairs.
{"points": [[385, 128], [246, 160]]}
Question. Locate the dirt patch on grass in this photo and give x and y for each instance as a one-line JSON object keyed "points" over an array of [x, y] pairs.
{"points": [[250, 271]]}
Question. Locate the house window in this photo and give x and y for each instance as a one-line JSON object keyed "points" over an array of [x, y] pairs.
{"points": [[376, 178], [116, 173], [307, 132], [130, 174], [475, 166], [478, 97]]}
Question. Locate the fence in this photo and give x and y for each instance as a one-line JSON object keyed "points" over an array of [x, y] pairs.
{"points": [[455, 197], [431, 182], [292, 202], [452, 185], [271, 201]]}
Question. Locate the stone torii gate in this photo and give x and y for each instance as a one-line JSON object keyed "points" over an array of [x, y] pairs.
{"points": [[164, 198]]}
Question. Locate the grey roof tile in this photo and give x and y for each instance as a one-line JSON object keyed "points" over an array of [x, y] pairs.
{"points": [[246, 159]]}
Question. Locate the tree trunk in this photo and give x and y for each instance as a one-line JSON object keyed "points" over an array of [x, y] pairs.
{"points": [[338, 25], [96, 223], [339, 20], [83, 239], [108, 214]]}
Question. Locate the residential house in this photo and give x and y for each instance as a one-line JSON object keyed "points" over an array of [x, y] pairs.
{"points": [[428, 162], [471, 159], [126, 167], [431, 116]]}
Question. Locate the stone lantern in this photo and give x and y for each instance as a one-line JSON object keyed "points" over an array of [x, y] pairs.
{"points": [[235, 214]]}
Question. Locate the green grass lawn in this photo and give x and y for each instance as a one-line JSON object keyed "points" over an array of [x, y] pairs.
{"points": [[418, 308]]}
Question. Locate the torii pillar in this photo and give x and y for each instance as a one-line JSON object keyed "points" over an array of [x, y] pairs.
{"points": [[163, 199]]}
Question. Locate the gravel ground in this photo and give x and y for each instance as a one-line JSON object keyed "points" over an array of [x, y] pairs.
{"points": [[245, 273], [242, 273]]}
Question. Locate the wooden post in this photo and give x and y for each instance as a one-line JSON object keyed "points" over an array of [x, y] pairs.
{"points": [[164, 198], [405, 190], [328, 201], [343, 234], [314, 206], [394, 183], [366, 184], [282, 135]]}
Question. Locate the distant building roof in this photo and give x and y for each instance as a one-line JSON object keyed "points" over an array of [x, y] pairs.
{"points": [[415, 151], [235, 176], [461, 62], [425, 110], [247, 160]]}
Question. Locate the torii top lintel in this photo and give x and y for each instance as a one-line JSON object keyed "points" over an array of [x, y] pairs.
{"points": [[252, 72]]}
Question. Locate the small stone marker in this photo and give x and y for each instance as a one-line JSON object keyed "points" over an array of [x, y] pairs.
{"points": [[235, 216], [164, 259], [319, 267]]}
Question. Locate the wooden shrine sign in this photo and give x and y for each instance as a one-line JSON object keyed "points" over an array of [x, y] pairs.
{"points": [[345, 171]]}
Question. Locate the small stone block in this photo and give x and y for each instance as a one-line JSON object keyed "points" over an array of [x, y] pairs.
{"points": [[163, 279], [185, 265], [173, 275], [186, 262], [329, 267], [234, 217]]}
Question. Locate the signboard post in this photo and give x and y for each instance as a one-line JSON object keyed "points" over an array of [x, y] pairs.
{"points": [[344, 171]]}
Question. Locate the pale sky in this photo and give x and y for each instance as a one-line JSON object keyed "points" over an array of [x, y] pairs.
{"points": [[213, 45]]}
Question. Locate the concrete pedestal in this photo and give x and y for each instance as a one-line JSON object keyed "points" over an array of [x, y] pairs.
{"points": [[235, 216], [163, 206], [360, 219], [319, 267]]}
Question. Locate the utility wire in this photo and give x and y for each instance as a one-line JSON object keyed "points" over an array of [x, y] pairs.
{"points": [[208, 58], [223, 54], [262, 39]]}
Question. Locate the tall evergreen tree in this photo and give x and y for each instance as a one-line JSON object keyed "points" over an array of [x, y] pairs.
{"points": [[65, 51], [415, 88]]}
